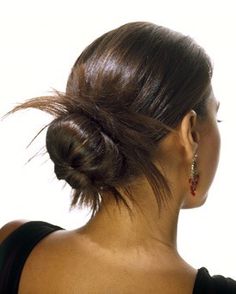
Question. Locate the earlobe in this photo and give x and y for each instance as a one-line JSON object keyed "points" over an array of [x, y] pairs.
{"points": [[189, 134]]}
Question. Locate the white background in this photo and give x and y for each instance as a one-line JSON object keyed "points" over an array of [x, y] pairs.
{"points": [[40, 40]]}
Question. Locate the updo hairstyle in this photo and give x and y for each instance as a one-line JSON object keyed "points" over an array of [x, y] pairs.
{"points": [[125, 93]]}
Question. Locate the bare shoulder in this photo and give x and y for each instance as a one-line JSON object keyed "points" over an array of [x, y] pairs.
{"points": [[10, 227]]}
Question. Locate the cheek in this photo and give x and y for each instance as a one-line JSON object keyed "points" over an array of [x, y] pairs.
{"points": [[215, 148], [210, 157]]}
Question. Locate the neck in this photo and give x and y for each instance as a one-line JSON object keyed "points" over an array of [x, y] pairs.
{"points": [[148, 227]]}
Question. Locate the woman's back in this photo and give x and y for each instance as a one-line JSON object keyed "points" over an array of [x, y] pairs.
{"points": [[39, 257], [68, 262]]}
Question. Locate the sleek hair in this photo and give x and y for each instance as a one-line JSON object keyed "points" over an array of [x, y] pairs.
{"points": [[126, 91]]}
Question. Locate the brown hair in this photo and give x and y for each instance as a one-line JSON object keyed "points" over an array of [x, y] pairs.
{"points": [[125, 92]]}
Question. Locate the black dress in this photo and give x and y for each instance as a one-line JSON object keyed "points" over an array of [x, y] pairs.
{"points": [[15, 249]]}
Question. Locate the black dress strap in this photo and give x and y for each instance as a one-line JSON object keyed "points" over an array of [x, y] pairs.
{"points": [[15, 249], [206, 284]]}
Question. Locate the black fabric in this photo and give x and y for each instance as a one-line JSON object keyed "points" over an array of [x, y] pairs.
{"points": [[205, 284], [15, 249]]}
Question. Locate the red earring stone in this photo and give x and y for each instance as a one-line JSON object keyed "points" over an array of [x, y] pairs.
{"points": [[193, 184]]}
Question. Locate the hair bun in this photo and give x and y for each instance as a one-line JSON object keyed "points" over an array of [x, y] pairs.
{"points": [[75, 178], [83, 155]]}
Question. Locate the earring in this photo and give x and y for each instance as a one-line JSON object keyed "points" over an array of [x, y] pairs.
{"points": [[194, 176]]}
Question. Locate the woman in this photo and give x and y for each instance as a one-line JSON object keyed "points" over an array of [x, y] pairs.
{"points": [[135, 135]]}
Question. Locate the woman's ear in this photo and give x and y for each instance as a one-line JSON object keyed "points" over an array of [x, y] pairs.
{"points": [[189, 134]]}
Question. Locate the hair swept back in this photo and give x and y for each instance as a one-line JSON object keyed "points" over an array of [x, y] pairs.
{"points": [[125, 92]]}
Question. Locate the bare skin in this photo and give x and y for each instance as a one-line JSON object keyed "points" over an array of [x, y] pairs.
{"points": [[114, 253]]}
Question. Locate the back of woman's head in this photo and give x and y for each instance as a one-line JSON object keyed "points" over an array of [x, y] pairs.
{"points": [[126, 91]]}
